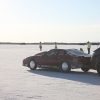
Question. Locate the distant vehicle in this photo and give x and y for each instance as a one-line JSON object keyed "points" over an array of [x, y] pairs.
{"points": [[63, 59], [95, 60]]}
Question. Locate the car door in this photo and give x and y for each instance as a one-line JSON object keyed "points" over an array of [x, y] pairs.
{"points": [[64, 56], [50, 58]]}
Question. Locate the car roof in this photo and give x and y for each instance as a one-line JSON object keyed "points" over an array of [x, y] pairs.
{"points": [[78, 52], [75, 52]]}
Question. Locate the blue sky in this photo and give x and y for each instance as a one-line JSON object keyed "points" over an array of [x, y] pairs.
{"points": [[49, 21]]}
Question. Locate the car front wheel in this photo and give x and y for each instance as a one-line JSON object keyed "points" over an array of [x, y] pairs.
{"points": [[85, 68], [65, 67], [32, 65]]}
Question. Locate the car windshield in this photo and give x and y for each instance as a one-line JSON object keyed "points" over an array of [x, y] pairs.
{"points": [[77, 52]]}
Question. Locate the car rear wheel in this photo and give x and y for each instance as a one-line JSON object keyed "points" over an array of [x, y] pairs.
{"points": [[32, 65], [85, 68], [65, 67]]}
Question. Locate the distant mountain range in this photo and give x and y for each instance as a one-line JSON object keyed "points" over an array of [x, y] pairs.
{"points": [[49, 43]]}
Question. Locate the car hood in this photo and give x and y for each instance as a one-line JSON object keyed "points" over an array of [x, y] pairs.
{"points": [[38, 54], [41, 53]]}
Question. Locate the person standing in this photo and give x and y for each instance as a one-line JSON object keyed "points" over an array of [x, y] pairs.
{"points": [[55, 45], [40, 46], [88, 47]]}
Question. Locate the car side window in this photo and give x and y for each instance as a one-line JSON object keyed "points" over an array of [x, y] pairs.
{"points": [[68, 53], [52, 53], [61, 53]]}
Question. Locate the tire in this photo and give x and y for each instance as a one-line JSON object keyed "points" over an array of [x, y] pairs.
{"points": [[98, 68], [85, 68], [32, 65], [65, 67]]}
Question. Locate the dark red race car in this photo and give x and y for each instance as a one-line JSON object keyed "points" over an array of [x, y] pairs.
{"points": [[64, 59]]}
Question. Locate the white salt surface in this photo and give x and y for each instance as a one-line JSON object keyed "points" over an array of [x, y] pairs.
{"points": [[20, 83]]}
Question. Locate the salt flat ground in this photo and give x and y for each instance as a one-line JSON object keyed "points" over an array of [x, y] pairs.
{"points": [[20, 83]]}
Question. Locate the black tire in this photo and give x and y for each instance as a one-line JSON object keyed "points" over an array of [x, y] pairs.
{"points": [[65, 67], [85, 68], [32, 65], [98, 70], [98, 67]]}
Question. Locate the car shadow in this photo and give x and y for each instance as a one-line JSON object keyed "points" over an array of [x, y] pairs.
{"points": [[79, 76]]}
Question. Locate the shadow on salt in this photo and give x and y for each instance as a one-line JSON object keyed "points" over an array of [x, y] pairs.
{"points": [[79, 76]]}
